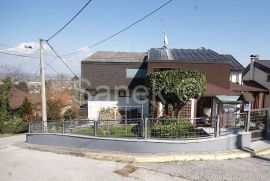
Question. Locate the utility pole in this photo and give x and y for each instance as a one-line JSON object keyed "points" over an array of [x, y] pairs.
{"points": [[43, 93]]}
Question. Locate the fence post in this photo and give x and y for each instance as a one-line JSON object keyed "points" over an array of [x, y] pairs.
{"points": [[268, 124], [29, 127], [248, 120], [145, 128], [142, 112], [95, 128], [126, 118], [217, 126], [63, 126]]}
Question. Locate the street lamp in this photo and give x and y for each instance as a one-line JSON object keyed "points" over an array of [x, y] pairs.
{"points": [[28, 46]]}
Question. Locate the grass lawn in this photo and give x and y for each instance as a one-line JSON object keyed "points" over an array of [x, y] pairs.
{"points": [[119, 130]]}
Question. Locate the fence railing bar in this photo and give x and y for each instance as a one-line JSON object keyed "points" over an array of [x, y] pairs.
{"points": [[263, 109], [196, 128]]}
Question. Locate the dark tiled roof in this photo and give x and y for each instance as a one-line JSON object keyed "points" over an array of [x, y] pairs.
{"points": [[235, 89], [235, 65], [247, 87], [185, 55], [110, 56], [252, 83], [263, 65], [193, 56]]}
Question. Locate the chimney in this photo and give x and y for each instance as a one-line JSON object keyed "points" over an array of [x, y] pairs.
{"points": [[253, 59]]}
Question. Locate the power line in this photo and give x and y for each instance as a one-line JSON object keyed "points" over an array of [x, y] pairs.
{"points": [[69, 21], [61, 58], [49, 67], [124, 29], [18, 55], [25, 56], [52, 68], [8, 46]]}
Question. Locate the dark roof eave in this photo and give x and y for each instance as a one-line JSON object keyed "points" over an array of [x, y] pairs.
{"points": [[110, 62]]}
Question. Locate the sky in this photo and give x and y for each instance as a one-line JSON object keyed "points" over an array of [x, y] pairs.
{"points": [[240, 28]]}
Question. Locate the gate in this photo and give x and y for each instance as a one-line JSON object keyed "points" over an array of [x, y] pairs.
{"points": [[259, 123]]}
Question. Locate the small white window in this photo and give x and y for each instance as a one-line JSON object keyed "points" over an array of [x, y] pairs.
{"points": [[136, 73]]}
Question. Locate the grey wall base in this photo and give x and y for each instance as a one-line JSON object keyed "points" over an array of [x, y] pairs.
{"points": [[228, 142]]}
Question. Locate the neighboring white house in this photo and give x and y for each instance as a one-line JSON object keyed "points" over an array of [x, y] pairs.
{"points": [[258, 72]]}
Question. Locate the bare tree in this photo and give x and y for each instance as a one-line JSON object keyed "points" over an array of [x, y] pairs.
{"points": [[61, 78], [11, 71]]}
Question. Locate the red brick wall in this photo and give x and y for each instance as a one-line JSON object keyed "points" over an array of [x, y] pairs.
{"points": [[216, 73], [186, 110]]}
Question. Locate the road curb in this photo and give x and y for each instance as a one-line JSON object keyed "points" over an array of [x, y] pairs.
{"points": [[145, 158]]}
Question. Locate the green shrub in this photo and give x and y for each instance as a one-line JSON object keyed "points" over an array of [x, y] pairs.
{"points": [[54, 108], [175, 129], [70, 114], [4, 103], [175, 87], [15, 126]]}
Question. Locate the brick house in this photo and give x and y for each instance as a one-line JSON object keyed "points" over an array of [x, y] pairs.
{"points": [[123, 74], [110, 78]]}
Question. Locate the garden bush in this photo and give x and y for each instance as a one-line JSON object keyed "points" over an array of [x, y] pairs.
{"points": [[175, 128], [14, 126]]}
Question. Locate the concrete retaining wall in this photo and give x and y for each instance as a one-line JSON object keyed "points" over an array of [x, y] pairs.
{"points": [[228, 142]]}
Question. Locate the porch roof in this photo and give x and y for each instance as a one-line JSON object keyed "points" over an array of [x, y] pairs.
{"points": [[247, 87], [234, 90], [214, 90]]}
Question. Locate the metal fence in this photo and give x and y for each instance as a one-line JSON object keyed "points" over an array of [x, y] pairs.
{"points": [[259, 123], [180, 128], [150, 128], [232, 123], [134, 128], [258, 119], [128, 128]]}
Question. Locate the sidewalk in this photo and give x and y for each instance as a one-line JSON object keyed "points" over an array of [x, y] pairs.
{"points": [[258, 148], [261, 147]]}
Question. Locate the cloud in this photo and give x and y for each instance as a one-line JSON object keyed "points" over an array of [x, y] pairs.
{"points": [[28, 65], [24, 48], [32, 65]]}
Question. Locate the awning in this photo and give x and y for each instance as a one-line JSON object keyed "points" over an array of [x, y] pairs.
{"points": [[229, 99]]}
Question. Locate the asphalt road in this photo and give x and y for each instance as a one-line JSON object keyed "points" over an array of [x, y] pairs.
{"points": [[22, 164], [251, 169]]}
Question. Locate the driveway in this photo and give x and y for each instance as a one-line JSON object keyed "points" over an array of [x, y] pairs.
{"points": [[23, 164]]}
